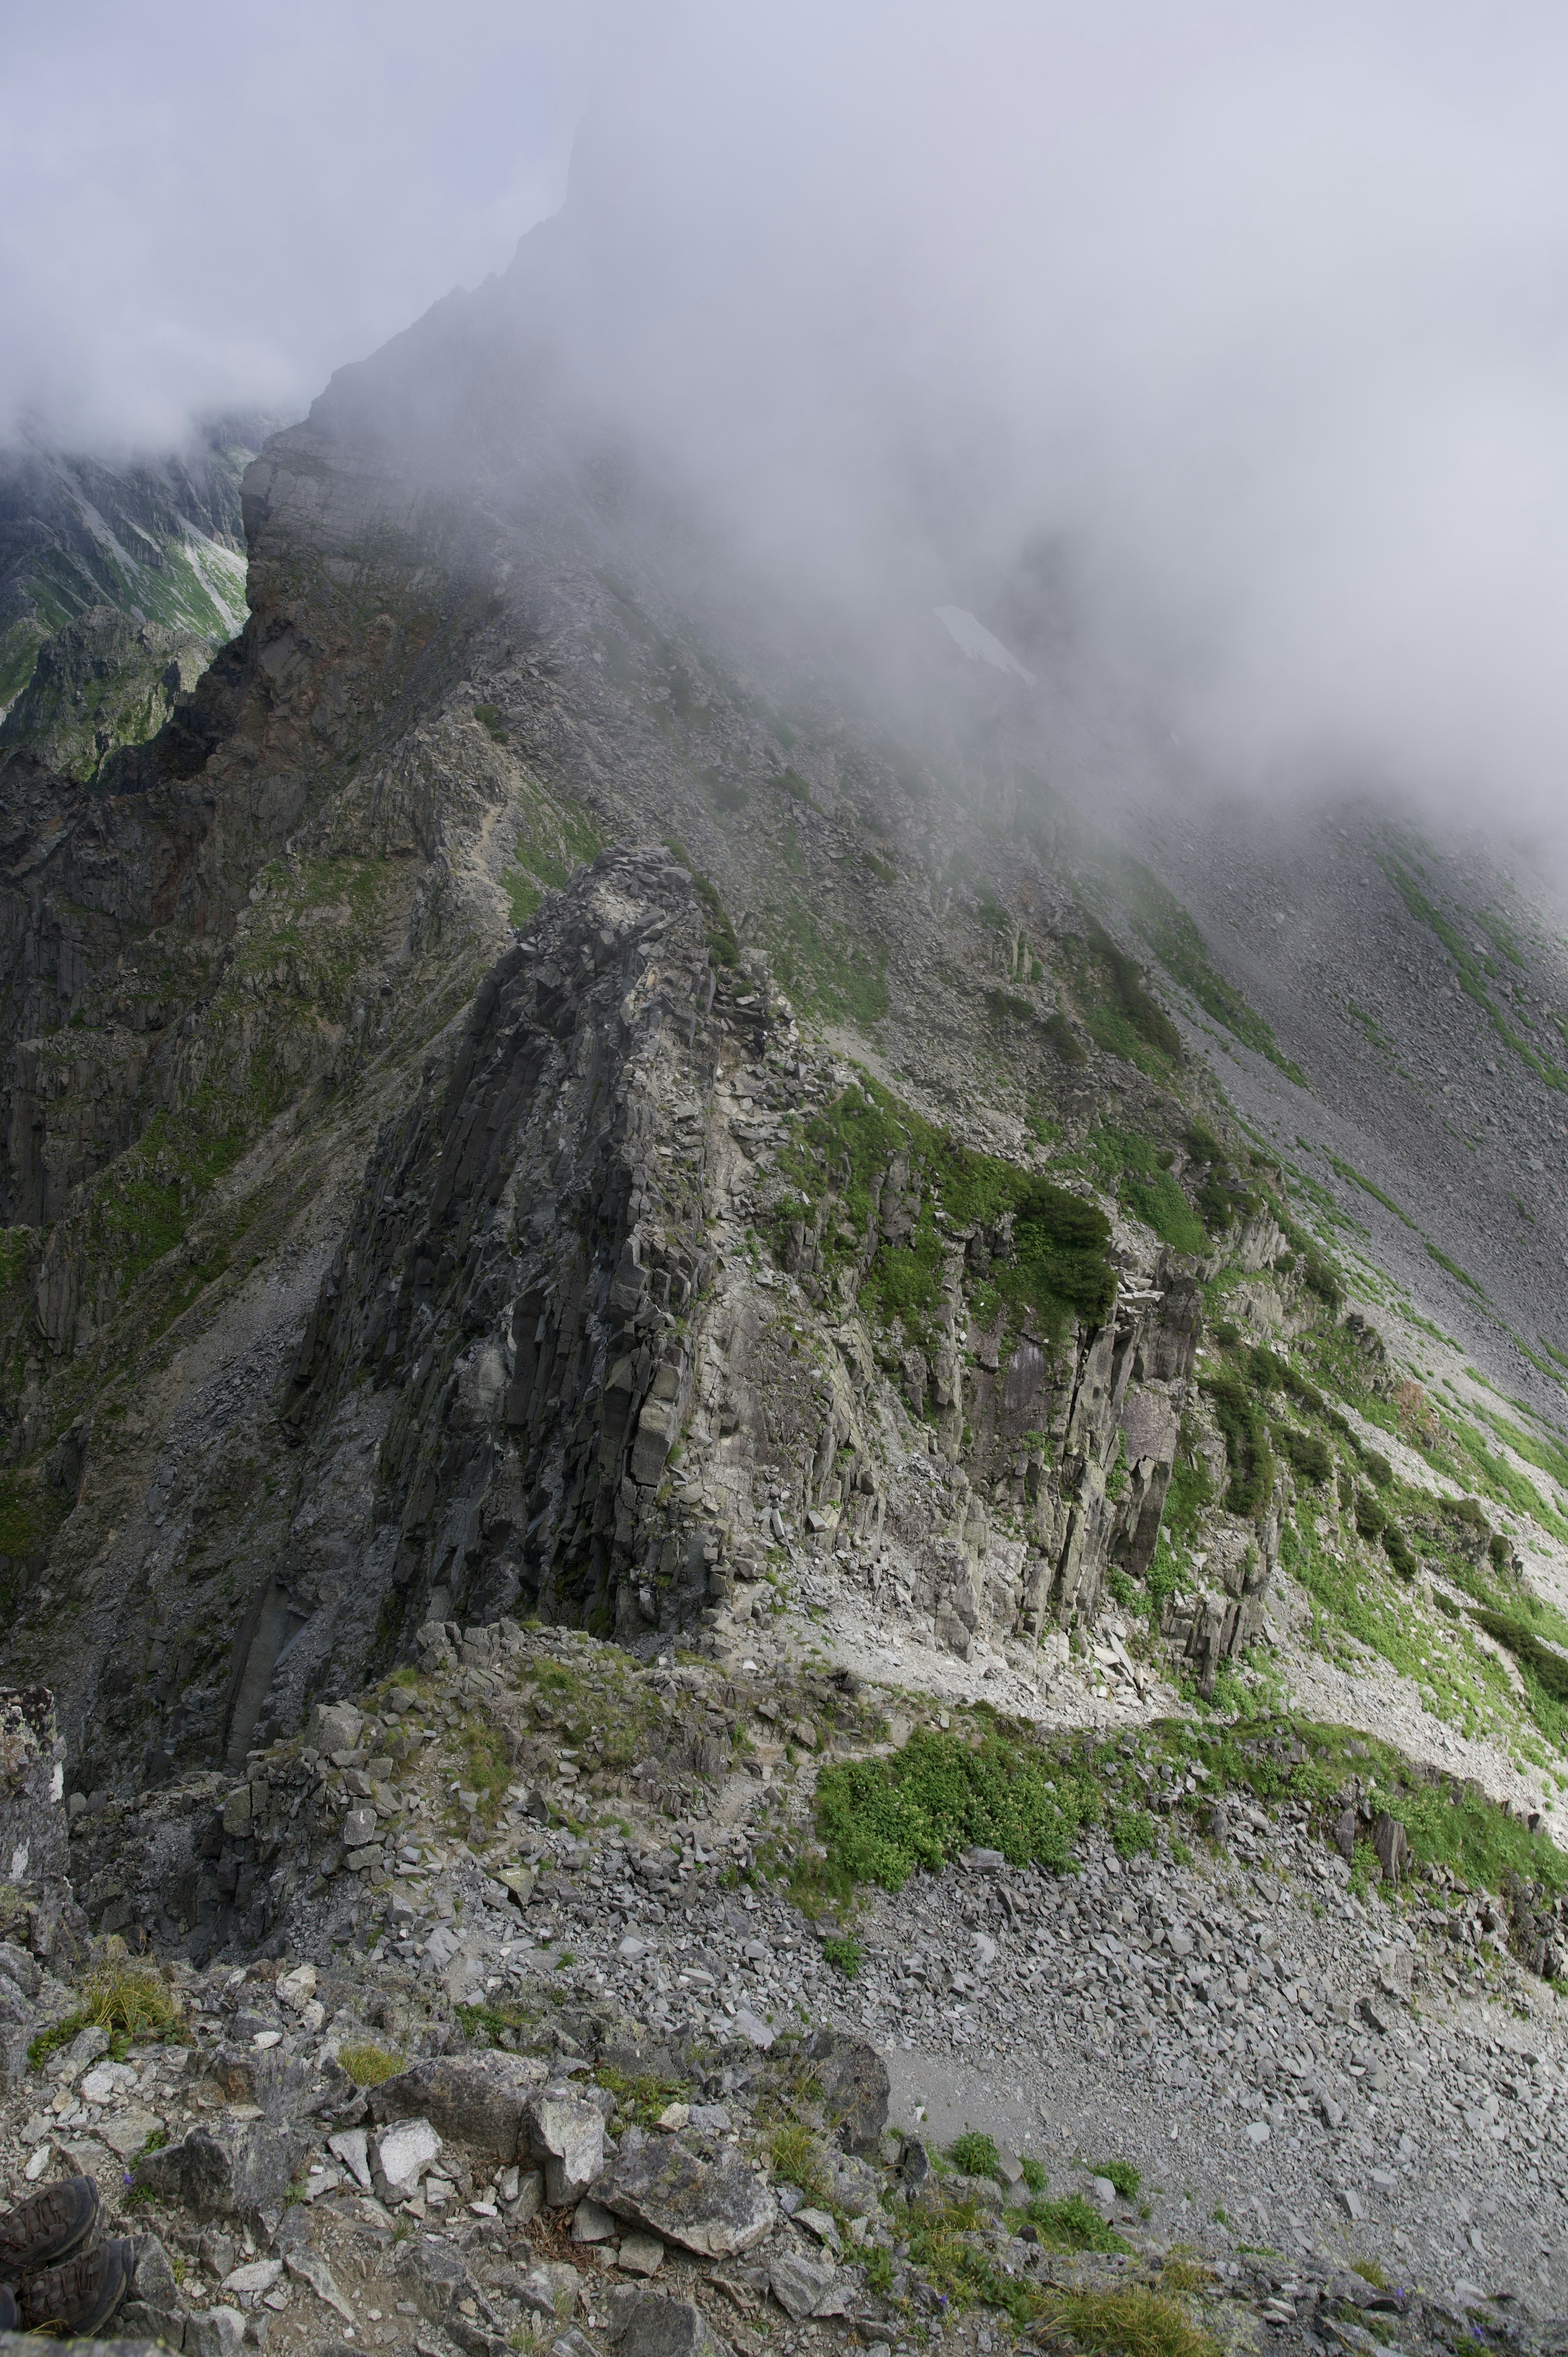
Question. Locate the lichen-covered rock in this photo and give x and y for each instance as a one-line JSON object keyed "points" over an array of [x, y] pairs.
{"points": [[715, 2208]]}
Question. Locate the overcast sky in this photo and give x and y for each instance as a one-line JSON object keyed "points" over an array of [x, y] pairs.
{"points": [[1258, 310]]}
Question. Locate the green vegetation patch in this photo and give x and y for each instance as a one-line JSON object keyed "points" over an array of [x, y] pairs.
{"points": [[369, 2066], [879, 1819], [1239, 1415], [1549, 1667], [1140, 1171], [1347, 1170], [1128, 1016], [976, 2155], [826, 969], [1130, 2321], [844, 1157]]}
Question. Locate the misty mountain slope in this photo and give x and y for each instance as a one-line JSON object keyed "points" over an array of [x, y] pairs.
{"points": [[1426, 1001], [328, 1313], [119, 579]]}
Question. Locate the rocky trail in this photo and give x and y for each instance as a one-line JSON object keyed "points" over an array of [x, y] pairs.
{"points": [[524, 2065]]}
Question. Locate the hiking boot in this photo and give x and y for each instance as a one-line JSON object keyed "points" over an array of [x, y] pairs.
{"points": [[78, 2299], [48, 2226]]}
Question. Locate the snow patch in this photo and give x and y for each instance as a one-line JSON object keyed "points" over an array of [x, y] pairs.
{"points": [[977, 642]]}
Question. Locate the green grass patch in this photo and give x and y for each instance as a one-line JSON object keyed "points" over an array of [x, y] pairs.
{"points": [[1140, 1172], [1130, 2321], [880, 1819], [976, 2155], [1060, 1265], [1073, 2224], [370, 2066], [1454, 1269], [1347, 1171]]}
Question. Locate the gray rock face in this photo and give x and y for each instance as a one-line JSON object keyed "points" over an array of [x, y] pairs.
{"points": [[475, 2100], [716, 2209], [436, 2278], [580, 1045]]}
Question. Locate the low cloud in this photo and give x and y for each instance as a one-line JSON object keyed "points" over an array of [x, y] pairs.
{"points": [[1241, 324]]}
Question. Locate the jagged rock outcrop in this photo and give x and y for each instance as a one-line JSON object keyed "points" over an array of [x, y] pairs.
{"points": [[521, 1277]]}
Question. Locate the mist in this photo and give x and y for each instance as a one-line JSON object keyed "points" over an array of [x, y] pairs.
{"points": [[1250, 329], [1244, 325]]}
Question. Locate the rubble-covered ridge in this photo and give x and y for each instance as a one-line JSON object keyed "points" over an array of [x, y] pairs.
{"points": [[552, 2053]]}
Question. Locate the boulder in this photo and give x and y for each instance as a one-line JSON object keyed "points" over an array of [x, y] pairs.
{"points": [[335, 1726], [854, 2079], [152, 2308], [1392, 1844], [212, 2332], [565, 2130], [431, 2273], [801, 2285], [661, 2326], [479, 2101], [18, 1966], [283, 2085], [715, 2208], [401, 2155], [639, 2254], [232, 2171]]}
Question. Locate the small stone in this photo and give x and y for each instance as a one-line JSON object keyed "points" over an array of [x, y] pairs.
{"points": [[640, 2255], [818, 2222], [1102, 2189], [674, 2115], [798, 2284], [1257, 2132], [591, 2223], [359, 1826], [310, 2268], [256, 2275], [1354, 2206], [351, 2146], [632, 1950], [756, 2033]]}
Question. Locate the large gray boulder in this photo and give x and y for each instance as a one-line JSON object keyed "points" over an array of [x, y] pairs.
{"points": [[854, 2079], [242, 2172], [715, 2208], [479, 2101], [661, 2326], [431, 2272]]}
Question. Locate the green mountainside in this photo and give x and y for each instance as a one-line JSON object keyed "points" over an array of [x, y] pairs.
{"points": [[119, 578]]}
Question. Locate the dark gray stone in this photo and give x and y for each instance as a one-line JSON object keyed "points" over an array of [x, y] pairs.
{"points": [[227, 2172], [661, 2326], [475, 2100], [854, 2079], [714, 2208]]}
